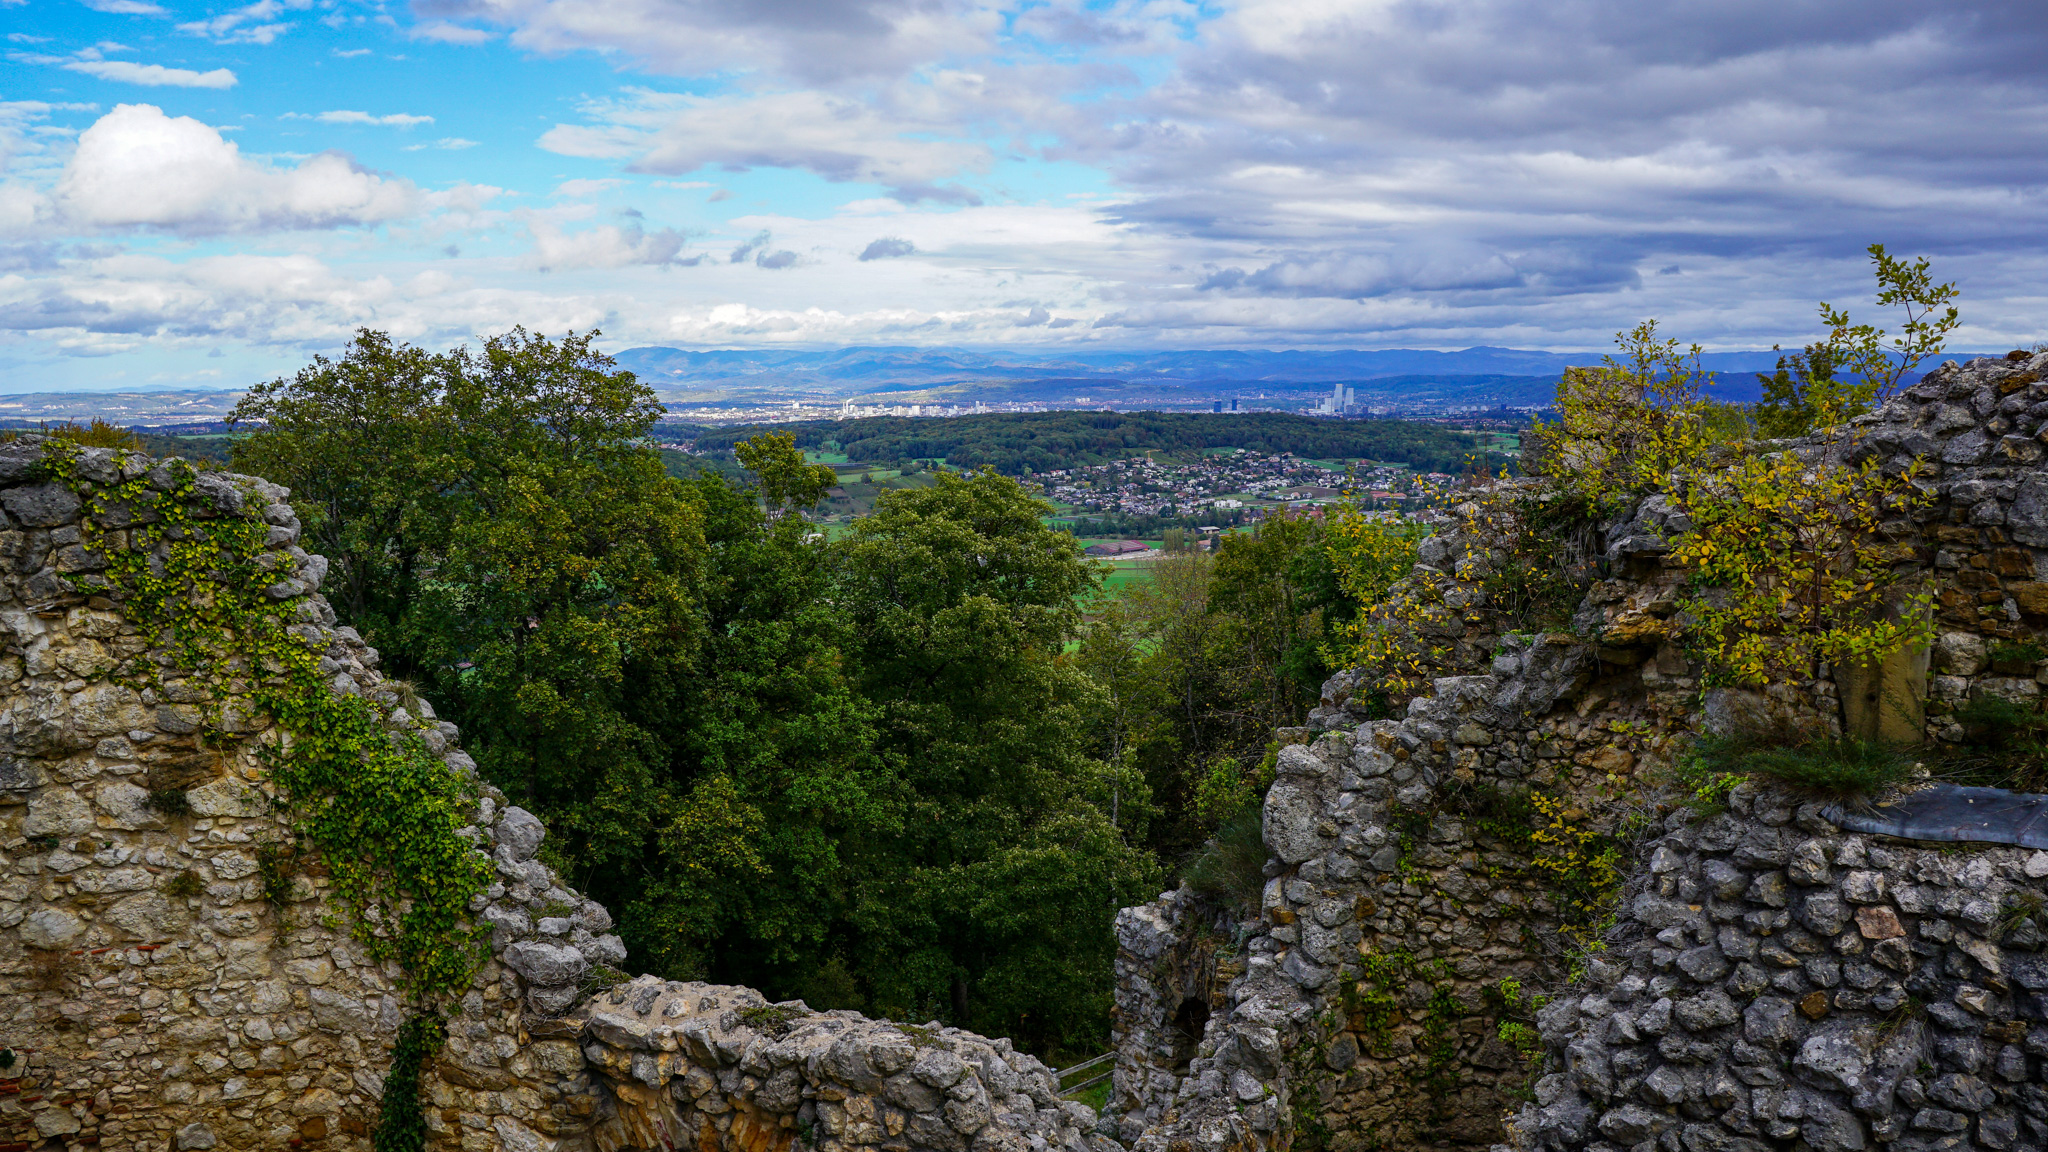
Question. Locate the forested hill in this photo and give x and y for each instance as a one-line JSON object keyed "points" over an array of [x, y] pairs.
{"points": [[1017, 442]]}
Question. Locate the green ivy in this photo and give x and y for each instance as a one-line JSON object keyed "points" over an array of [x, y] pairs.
{"points": [[381, 809], [401, 1126]]}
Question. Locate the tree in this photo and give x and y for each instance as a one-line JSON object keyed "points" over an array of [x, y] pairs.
{"points": [[1930, 314], [565, 598], [365, 446], [504, 535], [768, 738], [1804, 394], [786, 481], [995, 911]]}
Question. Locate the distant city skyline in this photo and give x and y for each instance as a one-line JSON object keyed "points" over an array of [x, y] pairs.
{"points": [[202, 194]]}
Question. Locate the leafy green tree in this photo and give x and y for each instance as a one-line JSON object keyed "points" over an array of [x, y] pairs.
{"points": [[505, 536], [995, 910], [768, 739], [1804, 394], [785, 480], [566, 595], [367, 449], [1201, 663]]}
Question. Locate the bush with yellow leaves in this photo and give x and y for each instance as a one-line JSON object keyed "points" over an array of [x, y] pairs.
{"points": [[1374, 556], [1625, 425], [1791, 569], [1582, 865]]}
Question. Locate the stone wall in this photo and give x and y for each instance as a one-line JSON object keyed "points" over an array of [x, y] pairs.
{"points": [[153, 997], [1774, 979], [1385, 877]]}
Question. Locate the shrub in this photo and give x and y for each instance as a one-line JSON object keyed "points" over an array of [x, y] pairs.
{"points": [[1231, 868], [184, 885], [1624, 426], [1790, 568], [2017, 659], [1580, 863]]}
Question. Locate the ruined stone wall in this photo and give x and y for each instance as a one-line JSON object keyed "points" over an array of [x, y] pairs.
{"points": [[1379, 829], [1381, 853], [1774, 980], [154, 996]]}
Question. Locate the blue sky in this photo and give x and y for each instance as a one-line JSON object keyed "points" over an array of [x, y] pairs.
{"points": [[203, 195]]}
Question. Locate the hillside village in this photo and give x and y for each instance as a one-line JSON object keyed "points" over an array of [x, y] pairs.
{"points": [[1240, 479]]}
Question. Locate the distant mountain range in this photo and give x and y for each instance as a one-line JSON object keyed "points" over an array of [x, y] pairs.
{"points": [[1514, 376]]}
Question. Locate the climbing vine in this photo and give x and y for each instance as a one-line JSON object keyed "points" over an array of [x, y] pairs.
{"points": [[1582, 865], [401, 1126], [380, 808]]}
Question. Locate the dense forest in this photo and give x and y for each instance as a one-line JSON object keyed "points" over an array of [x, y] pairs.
{"points": [[913, 769], [1019, 443]]}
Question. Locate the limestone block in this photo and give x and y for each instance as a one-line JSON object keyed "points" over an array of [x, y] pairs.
{"points": [[107, 710], [40, 505], [545, 964], [519, 834], [227, 797], [2027, 519], [58, 811], [124, 806], [50, 928]]}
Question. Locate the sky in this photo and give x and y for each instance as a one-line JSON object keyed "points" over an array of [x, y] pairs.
{"points": [[206, 195]]}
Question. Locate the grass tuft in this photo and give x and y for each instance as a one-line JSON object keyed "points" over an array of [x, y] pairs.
{"points": [[1837, 769]]}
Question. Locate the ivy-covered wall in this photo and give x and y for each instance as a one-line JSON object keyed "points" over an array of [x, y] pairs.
{"points": [[235, 861]]}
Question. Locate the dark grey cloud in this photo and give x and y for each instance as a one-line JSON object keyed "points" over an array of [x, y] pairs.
{"points": [[1510, 153]]}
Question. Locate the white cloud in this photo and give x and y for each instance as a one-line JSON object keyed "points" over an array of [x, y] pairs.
{"points": [[153, 75], [441, 31], [350, 53], [839, 139], [606, 246], [125, 7], [245, 25], [394, 120], [581, 188], [446, 143], [137, 167]]}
